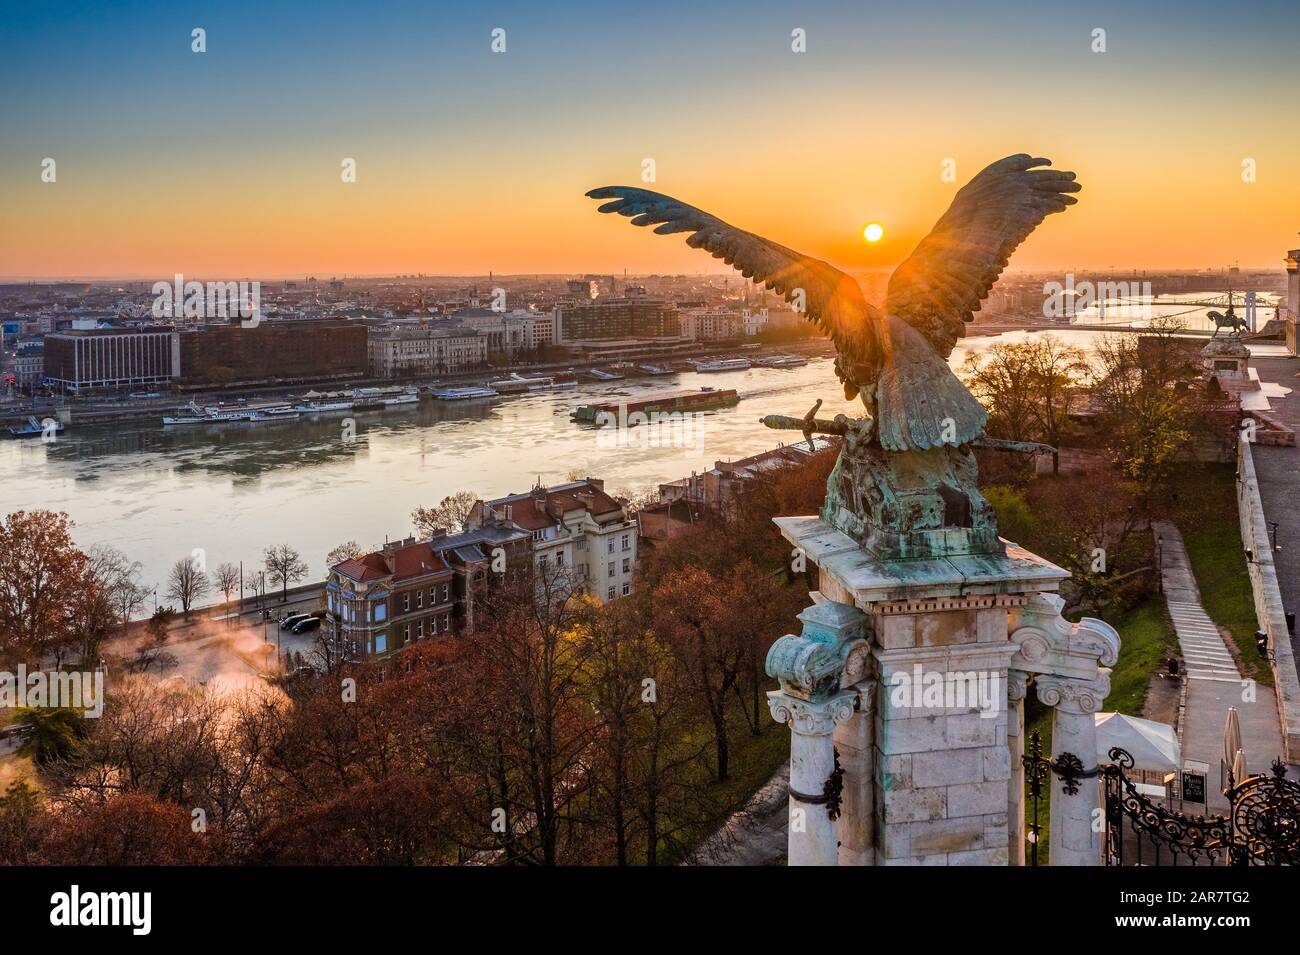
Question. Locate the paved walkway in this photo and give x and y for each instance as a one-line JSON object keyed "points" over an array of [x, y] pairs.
{"points": [[1214, 683]]}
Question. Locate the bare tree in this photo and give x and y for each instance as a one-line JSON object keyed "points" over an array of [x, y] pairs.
{"points": [[186, 583], [284, 566], [119, 578], [226, 578], [447, 517]]}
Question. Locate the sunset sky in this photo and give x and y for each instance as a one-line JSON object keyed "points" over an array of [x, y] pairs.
{"points": [[227, 163]]}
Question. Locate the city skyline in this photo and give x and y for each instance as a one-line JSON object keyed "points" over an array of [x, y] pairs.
{"points": [[228, 162]]}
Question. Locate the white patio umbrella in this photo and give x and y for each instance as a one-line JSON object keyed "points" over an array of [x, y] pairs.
{"points": [[1231, 737], [1239, 771], [1153, 746]]}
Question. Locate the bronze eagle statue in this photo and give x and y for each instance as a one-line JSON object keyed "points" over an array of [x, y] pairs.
{"points": [[896, 361]]}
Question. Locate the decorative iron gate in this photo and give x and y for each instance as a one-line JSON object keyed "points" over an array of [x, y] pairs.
{"points": [[1262, 826]]}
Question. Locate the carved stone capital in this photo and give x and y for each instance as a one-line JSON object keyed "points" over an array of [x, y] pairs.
{"points": [[1074, 696], [1017, 685], [829, 654], [812, 717], [1047, 643]]}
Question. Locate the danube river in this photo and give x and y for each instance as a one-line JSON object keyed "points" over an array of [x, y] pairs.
{"points": [[232, 490]]}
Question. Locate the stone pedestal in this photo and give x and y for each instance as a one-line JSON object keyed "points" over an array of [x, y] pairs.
{"points": [[812, 834], [938, 633], [916, 670], [1227, 361]]}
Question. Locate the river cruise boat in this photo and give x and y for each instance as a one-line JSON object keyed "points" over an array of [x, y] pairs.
{"points": [[782, 361], [655, 370], [702, 399], [601, 375], [464, 394], [324, 406], [720, 364], [518, 384], [194, 413], [377, 399]]}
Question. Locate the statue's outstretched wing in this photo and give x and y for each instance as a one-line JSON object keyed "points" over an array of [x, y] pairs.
{"points": [[829, 297], [918, 401], [950, 272]]}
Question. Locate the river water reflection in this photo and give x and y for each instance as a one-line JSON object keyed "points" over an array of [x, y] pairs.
{"points": [[231, 491]]}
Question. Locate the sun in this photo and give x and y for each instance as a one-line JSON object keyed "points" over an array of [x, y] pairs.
{"points": [[874, 232]]}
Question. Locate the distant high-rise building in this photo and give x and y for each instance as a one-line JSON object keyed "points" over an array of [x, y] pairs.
{"points": [[89, 359], [616, 319]]}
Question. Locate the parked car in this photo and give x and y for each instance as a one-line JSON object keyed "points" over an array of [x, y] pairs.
{"points": [[305, 625], [287, 623]]}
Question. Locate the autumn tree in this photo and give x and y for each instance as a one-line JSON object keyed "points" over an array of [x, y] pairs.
{"points": [[24, 824], [284, 566], [1142, 393], [446, 517], [545, 725], [1087, 524], [1029, 388], [128, 829], [345, 551], [692, 613], [645, 761], [46, 585]]}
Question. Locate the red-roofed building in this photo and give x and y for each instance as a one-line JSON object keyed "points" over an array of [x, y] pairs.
{"points": [[574, 526], [382, 601]]}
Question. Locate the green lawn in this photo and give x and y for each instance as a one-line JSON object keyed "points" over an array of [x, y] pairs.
{"points": [[1146, 637], [1205, 511]]}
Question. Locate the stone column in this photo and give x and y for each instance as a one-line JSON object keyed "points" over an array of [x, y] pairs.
{"points": [[853, 741], [1076, 840], [1017, 688], [812, 832]]}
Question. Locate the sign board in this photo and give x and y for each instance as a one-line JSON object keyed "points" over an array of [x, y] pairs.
{"points": [[1194, 776]]}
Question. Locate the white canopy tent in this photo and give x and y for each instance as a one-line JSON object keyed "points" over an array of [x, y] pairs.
{"points": [[1153, 746]]}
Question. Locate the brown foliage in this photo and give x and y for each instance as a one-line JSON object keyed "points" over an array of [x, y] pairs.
{"points": [[131, 829]]}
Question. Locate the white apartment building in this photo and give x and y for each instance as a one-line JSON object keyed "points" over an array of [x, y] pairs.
{"points": [[396, 352], [710, 324], [574, 526]]}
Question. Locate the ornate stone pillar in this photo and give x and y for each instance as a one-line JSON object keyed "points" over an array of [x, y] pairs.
{"points": [[815, 784], [1017, 689], [1076, 799], [813, 669]]}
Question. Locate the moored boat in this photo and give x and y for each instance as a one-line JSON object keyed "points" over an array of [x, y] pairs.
{"points": [[464, 394], [720, 364], [703, 399], [35, 427]]}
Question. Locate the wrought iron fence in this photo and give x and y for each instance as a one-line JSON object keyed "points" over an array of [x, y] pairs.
{"points": [[1261, 827]]}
